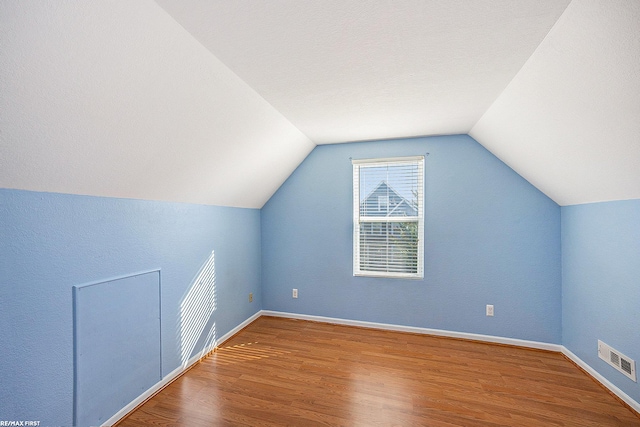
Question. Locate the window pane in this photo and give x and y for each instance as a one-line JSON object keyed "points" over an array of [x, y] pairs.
{"points": [[389, 190], [390, 247]]}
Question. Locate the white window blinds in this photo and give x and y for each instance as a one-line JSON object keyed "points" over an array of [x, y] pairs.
{"points": [[388, 221]]}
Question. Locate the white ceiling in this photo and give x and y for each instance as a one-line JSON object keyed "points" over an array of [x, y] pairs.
{"points": [[569, 122], [352, 70], [114, 98], [217, 102]]}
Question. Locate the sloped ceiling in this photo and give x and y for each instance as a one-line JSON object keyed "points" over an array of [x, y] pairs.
{"points": [[217, 102], [114, 98], [349, 70], [569, 122]]}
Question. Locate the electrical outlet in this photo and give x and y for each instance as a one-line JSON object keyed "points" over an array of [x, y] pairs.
{"points": [[250, 296], [294, 294], [489, 310]]}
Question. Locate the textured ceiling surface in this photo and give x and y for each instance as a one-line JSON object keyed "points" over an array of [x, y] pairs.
{"points": [[116, 99], [569, 122], [217, 102], [350, 70]]}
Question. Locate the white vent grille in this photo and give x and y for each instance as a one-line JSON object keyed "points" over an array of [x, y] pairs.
{"points": [[618, 360]]}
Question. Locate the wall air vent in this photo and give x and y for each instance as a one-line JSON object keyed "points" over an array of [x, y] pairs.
{"points": [[618, 360]]}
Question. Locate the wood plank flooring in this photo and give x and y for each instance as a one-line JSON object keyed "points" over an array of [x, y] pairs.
{"points": [[283, 372]]}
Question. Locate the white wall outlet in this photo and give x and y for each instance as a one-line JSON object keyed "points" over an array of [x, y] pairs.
{"points": [[489, 309], [294, 294]]}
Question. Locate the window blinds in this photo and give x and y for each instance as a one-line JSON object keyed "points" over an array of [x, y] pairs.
{"points": [[388, 217]]}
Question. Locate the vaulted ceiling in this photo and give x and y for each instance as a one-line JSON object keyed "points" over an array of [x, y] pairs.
{"points": [[217, 102]]}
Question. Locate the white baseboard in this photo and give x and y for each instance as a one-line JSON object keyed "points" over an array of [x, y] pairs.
{"points": [[602, 380], [176, 373], [418, 330]]}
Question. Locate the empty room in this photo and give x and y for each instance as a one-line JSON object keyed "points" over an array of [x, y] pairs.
{"points": [[319, 213]]}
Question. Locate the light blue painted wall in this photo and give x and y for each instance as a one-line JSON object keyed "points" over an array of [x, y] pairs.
{"points": [[601, 284], [491, 238], [51, 242]]}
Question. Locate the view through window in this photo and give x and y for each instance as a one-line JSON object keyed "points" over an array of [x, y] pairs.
{"points": [[388, 217]]}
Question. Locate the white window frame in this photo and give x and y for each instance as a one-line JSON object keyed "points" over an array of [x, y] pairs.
{"points": [[358, 219]]}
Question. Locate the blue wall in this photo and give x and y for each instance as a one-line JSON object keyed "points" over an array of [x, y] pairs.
{"points": [[51, 242], [601, 284], [491, 238]]}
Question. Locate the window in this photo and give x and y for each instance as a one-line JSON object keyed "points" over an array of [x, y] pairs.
{"points": [[388, 224]]}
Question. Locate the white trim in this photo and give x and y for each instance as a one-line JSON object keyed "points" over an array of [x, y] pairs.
{"points": [[602, 380], [176, 373], [386, 275], [383, 160], [417, 330]]}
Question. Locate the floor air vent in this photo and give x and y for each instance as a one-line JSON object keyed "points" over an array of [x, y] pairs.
{"points": [[618, 360]]}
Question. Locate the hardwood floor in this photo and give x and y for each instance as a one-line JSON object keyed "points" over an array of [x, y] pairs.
{"points": [[283, 372]]}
